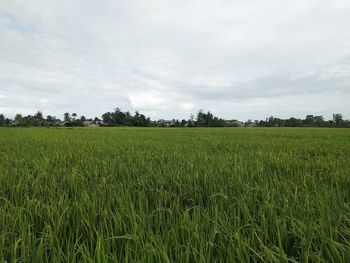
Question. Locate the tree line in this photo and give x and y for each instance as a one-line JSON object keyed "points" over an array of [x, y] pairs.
{"points": [[202, 119]]}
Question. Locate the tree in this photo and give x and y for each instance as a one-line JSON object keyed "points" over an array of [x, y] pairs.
{"points": [[191, 122], [200, 119], [2, 120], [67, 117], [176, 123], [338, 119], [208, 120], [19, 119], [74, 115], [309, 120], [39, 115], [108, 118], [319, 121], [38, 119], [140, 120], [119, 117], [249, 123], [7, 122], [51, 120], [292, 122], [271, 121]]}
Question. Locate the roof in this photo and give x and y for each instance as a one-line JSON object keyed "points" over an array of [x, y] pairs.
{"points": [[165, 121], [86, 123]]}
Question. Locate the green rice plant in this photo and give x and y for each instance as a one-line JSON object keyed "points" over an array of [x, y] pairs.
{"points": [[174, 195]]}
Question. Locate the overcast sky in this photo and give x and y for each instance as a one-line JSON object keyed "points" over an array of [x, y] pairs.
{"points": [[169, 58]]}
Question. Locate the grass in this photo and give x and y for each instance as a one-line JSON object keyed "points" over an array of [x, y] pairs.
{"points": [[174, 195]]}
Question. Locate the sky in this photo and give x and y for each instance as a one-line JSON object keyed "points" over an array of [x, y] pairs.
{"points": [[240, 59]]}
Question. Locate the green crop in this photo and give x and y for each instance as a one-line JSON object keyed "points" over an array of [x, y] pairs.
{"points": [[174, 195]]}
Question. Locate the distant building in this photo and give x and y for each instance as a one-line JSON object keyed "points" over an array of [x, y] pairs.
{"points": [[165, 123], [84, 124], [90, 124], [100, 123], [234, 123]]}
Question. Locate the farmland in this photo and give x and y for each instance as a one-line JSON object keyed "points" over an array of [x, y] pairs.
{"points": [[174, 195]]}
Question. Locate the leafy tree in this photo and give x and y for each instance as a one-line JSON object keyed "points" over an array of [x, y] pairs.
{"points": [[128, 119], [292, 122], [2, 120], [338, 119], [248, 123], [119, 117], [18, 119], [7, 122], [51, 120], [38, 119], [108, 118], [309, 120], [39, 115], [203, 119], [319, 121], [67, 117], [176, 123], [140, 120], [191, 122], [208, 120]]}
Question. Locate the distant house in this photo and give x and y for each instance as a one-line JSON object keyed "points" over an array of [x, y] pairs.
{"points": [[87, 123], [234, 123], [90, 124], [100, 123], [165, 123], [94, 123]]}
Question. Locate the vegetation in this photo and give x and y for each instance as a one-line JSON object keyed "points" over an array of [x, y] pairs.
{"points": [[174, 195], [309, 121], [120, 118]]}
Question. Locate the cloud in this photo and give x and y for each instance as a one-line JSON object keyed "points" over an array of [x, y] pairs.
{"points": [[10, 22], [239, 59]]}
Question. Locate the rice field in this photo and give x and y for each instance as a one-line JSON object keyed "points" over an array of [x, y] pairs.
{"points": [[174, 195]]}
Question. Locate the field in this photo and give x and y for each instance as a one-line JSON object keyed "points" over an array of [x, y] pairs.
{"points": [[174, 195]]}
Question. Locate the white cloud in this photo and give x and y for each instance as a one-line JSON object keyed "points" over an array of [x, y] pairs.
{"points": [[240, 59]]}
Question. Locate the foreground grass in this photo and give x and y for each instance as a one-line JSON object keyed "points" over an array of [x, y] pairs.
{"points": [[174, 195]]}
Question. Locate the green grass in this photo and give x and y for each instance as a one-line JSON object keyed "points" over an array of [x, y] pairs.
{"points": [[174, 195]]}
